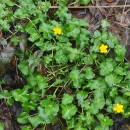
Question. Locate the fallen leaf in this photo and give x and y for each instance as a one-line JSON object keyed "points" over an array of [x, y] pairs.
{"points": [[109, 1]]}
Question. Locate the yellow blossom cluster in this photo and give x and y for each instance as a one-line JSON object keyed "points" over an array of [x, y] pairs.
{"points": [[118, 108], [57, 31], [103, 48]]}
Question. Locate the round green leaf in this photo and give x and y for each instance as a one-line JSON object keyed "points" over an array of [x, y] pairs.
{"points": [[106, 68], [23, 118], [67, 99], [23, 66], [68, 111], [112, 79], [89, 74]]}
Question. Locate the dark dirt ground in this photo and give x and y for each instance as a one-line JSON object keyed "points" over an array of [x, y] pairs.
{"points": [[119, 18]]}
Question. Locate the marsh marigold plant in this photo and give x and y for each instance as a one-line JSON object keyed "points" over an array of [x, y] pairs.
{"points": [[70, 78]]}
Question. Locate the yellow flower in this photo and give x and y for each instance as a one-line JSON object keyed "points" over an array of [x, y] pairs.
{"points": [[103, 48], [118, 108], [57, 31]]}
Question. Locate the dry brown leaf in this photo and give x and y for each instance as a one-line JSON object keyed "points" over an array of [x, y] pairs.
{"points": [[123, 18], [109, 1]]}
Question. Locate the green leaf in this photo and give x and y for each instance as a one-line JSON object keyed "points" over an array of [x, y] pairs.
{"points": [[122, 100], [114, 92], [6, 93], [87, 59], [67, 99], [61, 57], [105, 23], [86, 104], [83, 23], [104, 36], [34, 96], [21, 95], [62, 2], [112, 41], [85, 119], [2, 126], [101, 127], [77, 78], [89, 118], [120, 52], [51, 108], [2, 95], [89, 74], [9, 2], [127, 94], [34, 120], [97, 34], [48, 59], [95, 47], [127, 75], [79, 127], [68, 111], [74, 54], [26, 128], [10, 101], [34, 36], [44, 5], [120, 70], [81, 95], [85, 2], [23, 66], [63, 13], [27, 106], [93, 84], [21, 12], [113, 79], [106, 68], [46, 119], [46, 30], [70, 123], [23, 118], [75, 32], [78, 22], [42, 82], [32, 79], [30, 27], [93, 110], [99, 102], [105, 120], [15, 40], [99, 93]]}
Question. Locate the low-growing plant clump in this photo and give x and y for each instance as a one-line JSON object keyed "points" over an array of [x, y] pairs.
{"points": [[73, 76]]}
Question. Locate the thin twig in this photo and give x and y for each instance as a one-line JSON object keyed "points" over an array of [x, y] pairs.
{"points": [[123, 11], [127, 11], [12, 34], [121, 87], [82, 7], [122, 25]]}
